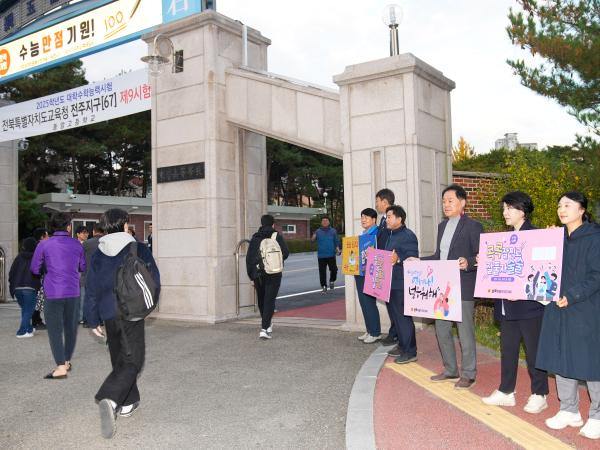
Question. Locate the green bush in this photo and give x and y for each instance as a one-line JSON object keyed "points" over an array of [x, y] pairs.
{"points": [[301, 245]]}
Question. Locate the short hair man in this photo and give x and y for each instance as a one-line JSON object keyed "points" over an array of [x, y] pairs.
{"points": [[458, 238], [150, 236], [328, 246], [403, 244], [119, 394], [82, 233], [89, 246]]}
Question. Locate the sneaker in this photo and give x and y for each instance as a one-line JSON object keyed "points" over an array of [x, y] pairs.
{"points": [[264, 335], [331, 285], [324, 291], [389, 340], [564, 419], [499, 398], [127, 411], [270, 329], [443, 377], [405, 359], [536, 404], [591, 429], [395, 352], [362, 337], [371, 339], [24, 335], [464, 383], [108, 418]]}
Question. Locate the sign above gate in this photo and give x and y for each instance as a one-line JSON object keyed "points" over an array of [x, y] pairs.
{"points": [[15, 14], [84, 28]]}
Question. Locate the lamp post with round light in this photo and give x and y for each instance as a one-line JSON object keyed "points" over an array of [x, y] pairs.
{"points": [[392, 16]]}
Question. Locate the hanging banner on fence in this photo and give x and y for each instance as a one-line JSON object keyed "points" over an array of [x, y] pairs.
{"points": [[378, 274], [350, 256], [432, 290], [109, 99], [520, 265], [364, 242]]}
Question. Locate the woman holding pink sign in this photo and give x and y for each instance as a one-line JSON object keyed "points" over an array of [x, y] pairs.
{"points": [[569, 343], [520, 319]]}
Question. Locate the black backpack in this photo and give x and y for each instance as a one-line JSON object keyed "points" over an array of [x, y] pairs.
{"points": [[135, 289]]}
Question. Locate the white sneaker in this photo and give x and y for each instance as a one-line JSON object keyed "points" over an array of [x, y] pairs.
{"points": [[24, 335], [591, 429], [536, 404], [362, 337], [500, 399], [270, 329], [371, 339], [564, 419], [264, 335]]}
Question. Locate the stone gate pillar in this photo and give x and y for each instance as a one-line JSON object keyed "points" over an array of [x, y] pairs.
{"points": [[395, 131], [197, 223]]}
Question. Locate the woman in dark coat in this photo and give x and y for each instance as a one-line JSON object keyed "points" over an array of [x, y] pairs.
{"points": [[570, 339], [521, 319]]}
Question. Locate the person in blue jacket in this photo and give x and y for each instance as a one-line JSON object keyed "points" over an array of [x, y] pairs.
{"points": [[328, 246], [368, 303], [403, 244], [119, 394], [569, 344]]}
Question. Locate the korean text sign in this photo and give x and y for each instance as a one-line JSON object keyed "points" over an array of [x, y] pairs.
{"points": [[364, 242], [432, 290], [520, 265], [350, 256], [378, 274]]}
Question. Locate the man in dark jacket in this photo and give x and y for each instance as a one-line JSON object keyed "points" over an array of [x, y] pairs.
{"points": [[89, 247], [403, 243], [119, 393], [23, 286], [328, 246], [266, 285], [458, 238]]}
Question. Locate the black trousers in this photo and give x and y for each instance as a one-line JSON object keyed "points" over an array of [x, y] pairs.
{"points": [[511, 333], [267, 287], [121, 384], [404, 325], [323, 264]]}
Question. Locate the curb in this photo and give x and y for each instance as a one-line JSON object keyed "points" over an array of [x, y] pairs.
{"points": [[360, 428]]}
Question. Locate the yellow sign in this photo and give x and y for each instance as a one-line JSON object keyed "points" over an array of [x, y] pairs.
{"points": [[350, 256]]}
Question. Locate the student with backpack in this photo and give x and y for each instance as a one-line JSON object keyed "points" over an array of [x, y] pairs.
{"points": [[122, 287], [264, 265]]}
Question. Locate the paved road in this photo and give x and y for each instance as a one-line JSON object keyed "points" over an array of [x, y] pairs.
{"points": [[203, 387]]}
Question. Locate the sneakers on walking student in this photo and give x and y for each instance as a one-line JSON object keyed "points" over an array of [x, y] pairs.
{"points": [[270, 330], [405, 358], [331, 285], [264, 334], [591, 429], [24, 335], [108, 418], [324, 291], [362, 337], [536, 404], [371, 339], [127, 411], [564, 419], [499, 398]]}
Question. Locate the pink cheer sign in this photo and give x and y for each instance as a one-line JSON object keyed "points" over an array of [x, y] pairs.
{"points": [[378, 274]]}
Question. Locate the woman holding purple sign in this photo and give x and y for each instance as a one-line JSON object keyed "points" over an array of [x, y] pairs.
{"points": [[521, 319], [368, 304], [570, 338]]}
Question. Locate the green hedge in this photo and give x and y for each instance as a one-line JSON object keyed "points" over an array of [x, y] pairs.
{"points": [[301, 245]]}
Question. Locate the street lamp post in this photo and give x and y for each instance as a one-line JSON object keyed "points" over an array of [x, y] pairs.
{"points": [[392, 16], [325, 197]]}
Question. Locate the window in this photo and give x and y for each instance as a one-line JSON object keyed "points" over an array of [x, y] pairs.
{"points": [[289, 228]]}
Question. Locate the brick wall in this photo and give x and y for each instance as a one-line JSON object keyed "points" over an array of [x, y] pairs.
{"points": [[478, 186]]}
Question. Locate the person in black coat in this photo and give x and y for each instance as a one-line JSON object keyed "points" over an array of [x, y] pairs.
{"points": [[266, 285], [23, 286], [521, 319], [569, 343]]}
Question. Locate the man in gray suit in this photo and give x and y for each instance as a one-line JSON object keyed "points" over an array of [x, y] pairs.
{"points": [[458, 238]]}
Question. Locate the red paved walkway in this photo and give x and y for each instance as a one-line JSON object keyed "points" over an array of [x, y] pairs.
{"points": [[335, 310]]}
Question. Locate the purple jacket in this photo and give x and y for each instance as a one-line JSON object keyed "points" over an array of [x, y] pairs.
{"points": [[62, 258]]}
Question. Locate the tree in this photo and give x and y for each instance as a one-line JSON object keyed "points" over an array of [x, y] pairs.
{"points": [[31, 214], [462, 151], [566, 35]]}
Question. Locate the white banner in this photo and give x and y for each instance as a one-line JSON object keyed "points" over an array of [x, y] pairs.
{"points": [[97, 102]]}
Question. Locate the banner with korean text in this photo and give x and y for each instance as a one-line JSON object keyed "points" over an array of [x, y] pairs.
{"points": [[520, 265], [109, 99], [432, 290], [378, 274], [350, 256]]}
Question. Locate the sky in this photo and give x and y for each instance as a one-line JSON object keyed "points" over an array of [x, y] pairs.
{"points": [[313, 40]]}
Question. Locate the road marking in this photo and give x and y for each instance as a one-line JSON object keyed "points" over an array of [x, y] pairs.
{"points": [[299, 260], [304, 293], [500, 420]]}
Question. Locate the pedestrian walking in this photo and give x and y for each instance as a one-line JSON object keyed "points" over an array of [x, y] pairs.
{"points": [[264, 266], [89, 247], [119, 394], [328, 246], [63, 259]]}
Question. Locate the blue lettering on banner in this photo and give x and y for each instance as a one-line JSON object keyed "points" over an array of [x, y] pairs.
{"points": [[177, 9]]}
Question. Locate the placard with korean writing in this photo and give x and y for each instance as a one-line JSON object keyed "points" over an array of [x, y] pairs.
{"points": [[432, 290], [350, 256], [378, 274], [364, 242], [116, 97], [520, 265]]}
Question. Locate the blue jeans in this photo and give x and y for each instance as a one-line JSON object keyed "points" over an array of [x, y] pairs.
{"points": [[61, 319], [368, 304], [26, 299]]}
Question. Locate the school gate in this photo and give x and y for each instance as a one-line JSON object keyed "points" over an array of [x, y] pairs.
{"points": [[389, 122]]}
